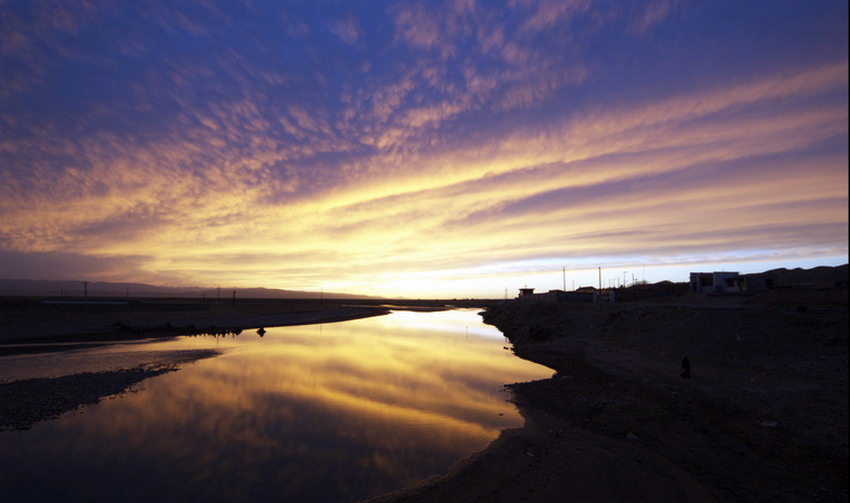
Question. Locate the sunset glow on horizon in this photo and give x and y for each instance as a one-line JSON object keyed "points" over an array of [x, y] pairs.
{"points": [[420, 149]]}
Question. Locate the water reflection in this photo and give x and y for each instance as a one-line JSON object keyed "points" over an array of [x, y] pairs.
{"points": [[312, 413]]}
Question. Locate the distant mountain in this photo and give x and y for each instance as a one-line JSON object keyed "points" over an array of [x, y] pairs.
{"points": [[816, 275], [41, 288]]}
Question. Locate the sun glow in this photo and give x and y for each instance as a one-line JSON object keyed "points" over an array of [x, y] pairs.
{"points": [[432, 163]]}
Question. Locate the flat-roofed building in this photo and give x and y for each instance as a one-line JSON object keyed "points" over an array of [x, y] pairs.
{"points": [[717, 282]]}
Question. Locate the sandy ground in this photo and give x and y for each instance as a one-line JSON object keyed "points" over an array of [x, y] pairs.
{"points": [[763, 417]]}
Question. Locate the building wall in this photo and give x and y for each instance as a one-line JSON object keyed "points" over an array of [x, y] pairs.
{"points": [[717, 282]]}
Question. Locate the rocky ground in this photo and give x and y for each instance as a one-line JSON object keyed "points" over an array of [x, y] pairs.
{"points": [[763, 416]]}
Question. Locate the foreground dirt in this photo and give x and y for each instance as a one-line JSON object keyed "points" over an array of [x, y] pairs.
{"points": [[764, 416]]}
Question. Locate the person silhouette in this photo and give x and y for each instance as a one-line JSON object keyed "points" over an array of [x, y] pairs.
{"points": [[686, 368]]}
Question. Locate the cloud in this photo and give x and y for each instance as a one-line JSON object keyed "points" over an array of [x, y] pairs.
{"points": [[71, 266], [546, 13], [420, 29], [654, 13], [348, 30], [428, 140]]}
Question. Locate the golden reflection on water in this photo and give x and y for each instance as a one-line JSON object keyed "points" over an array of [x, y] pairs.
{"points": [[311, 413]]}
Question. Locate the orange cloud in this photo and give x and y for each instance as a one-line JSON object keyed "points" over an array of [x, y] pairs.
{"points": [[466, 159]]}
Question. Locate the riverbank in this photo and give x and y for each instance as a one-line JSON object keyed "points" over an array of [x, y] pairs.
{"points": [[38, 321], [763, 416]]}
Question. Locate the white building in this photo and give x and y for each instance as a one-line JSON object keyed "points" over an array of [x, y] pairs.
{"points": [[717, 282]]}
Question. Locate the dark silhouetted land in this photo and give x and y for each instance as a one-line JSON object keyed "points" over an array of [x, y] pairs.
{"points": [[763, 416]]}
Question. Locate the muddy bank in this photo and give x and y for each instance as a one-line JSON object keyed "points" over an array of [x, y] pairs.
{"points": [[762, 418]]}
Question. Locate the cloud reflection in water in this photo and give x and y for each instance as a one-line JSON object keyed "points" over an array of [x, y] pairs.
{"points": [[319, 413]]}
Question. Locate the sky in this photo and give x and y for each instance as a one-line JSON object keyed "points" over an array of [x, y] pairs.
{"points": [[459, 148]]}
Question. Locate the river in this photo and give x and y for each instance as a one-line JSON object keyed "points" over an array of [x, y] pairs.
{"points": [[316, 413]]}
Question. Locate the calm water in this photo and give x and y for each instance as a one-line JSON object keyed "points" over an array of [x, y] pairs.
{"points": [[334, 413]]}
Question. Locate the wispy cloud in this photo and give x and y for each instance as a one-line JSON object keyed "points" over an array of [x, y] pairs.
{"points": [[378, 144], [653, 14]]}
